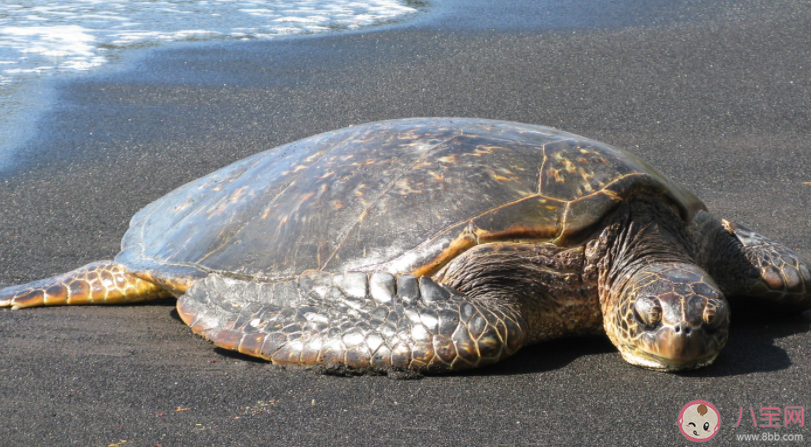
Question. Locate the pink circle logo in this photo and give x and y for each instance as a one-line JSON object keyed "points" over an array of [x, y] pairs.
{"points": [[699, 421]]}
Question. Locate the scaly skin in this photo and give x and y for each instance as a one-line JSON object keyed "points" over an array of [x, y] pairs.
{"points": [[750, 266], [375, 322], [102, 282], [660, 309], [669, 317]]}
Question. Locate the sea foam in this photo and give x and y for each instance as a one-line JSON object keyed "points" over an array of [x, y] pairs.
{"points": [[40, 38]]}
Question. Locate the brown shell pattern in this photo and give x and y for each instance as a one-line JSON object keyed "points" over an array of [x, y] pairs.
{"points": [[398, 196]]}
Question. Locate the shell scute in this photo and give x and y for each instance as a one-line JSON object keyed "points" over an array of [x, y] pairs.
{"points": [[397, 196], [577, 168], [532, 218]]}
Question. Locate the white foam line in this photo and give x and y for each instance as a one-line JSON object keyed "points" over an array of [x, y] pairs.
{"points": [[42, 37], [80, 31]]}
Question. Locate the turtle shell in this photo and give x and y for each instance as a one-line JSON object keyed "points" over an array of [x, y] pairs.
{"points": [[398, 196]]}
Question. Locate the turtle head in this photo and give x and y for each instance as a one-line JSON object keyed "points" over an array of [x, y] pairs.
{"points": [[668, 317]]}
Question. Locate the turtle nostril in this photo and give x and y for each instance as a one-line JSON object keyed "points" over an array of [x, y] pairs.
{"points": [[682, 329]]}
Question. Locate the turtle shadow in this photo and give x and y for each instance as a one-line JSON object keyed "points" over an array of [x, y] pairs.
{"points": [[236, 355], [751, 348], [752, 344], [165, 302], [547, 356]]}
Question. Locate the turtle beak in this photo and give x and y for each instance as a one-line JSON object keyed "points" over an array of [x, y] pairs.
{"points": [[672, 354], [680, 346]]}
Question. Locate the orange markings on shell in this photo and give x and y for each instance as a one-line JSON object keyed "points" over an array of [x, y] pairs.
{"points": [[463, 242]]}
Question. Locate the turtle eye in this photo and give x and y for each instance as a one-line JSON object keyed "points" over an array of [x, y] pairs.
{"points": [[648, 310], [715, 312]]}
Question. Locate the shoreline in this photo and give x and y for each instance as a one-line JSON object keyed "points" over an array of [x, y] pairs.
{"points": [[444, 15], [29, 97], [720, 106]]}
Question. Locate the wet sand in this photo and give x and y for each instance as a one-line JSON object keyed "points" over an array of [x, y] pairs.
{"points": [[716, 96]]}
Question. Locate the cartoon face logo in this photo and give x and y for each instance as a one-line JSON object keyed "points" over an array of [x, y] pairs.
{"points": [[699, 421]]}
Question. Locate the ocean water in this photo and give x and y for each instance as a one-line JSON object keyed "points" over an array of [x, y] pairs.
{"points": [[40, 39]]}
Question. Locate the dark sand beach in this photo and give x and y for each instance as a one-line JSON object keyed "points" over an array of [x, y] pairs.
{"points": [[714, 94]]}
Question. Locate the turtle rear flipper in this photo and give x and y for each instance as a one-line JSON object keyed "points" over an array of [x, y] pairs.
{"points": [[364, 322], [102, 282]]}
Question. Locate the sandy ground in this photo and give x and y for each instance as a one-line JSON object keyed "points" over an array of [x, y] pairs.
{"points": [[715, 94]]}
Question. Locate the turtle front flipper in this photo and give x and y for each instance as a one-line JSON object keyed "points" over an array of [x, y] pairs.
{"points": [[102, 282], [360, 321], [773, 270], [747, 264]]}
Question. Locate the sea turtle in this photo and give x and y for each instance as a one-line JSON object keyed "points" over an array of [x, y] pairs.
{"points": [[438, 245]]}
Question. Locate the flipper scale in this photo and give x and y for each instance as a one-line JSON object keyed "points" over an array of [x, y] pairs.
{"points": [[314, 320], [101, 282]]}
